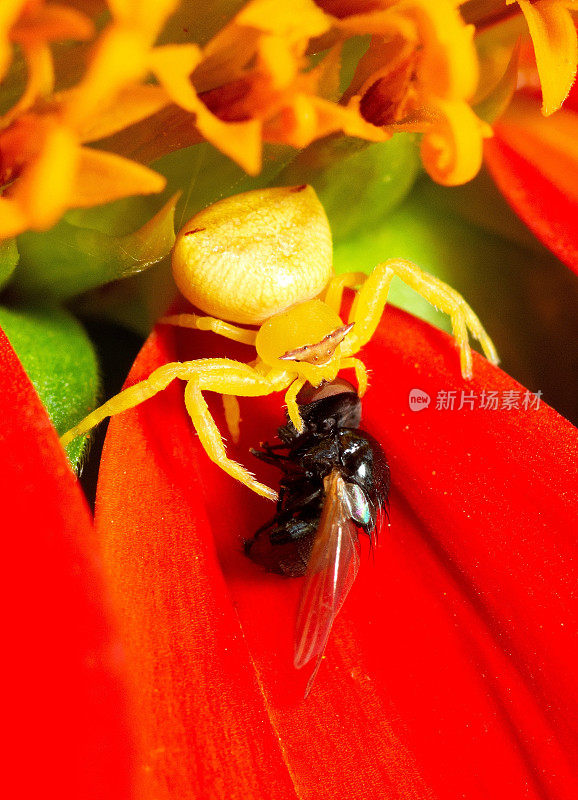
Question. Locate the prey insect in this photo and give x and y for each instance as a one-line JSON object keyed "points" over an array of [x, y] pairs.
{"points": [[335, 484], [264, 259]]}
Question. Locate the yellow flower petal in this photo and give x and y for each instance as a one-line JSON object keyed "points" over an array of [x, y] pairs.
{"points": [[147, 15], [130, 106], [228, 55], [277, 60], [119, 60], [305, 118], [452, 149], [12, 218], [449, 66], [43, 189], [103, 177], [294, 21], [555, 45], [241, 141], [173, 65], [40, 80], [9, 13]]}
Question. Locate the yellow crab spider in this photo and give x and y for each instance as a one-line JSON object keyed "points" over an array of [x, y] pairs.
{"points": [[264, 259]]}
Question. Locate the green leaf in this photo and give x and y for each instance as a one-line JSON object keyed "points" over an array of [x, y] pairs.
{"points": [[204, 175], [198, 22], [61, 363], [497, 98], [359, 184], [8, 260], [69, 260]]}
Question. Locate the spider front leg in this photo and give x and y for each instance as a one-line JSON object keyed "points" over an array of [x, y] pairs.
{"points": [[212, 442], [128, 398], [243, 335], [337, 285], [240, 380], [372, 297], [292, 405], [360, 373], [221, 375]]}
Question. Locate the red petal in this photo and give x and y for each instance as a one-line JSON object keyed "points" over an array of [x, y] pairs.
{"points": [[537, 177], [571, 102], [62, 703], [448, 673]]}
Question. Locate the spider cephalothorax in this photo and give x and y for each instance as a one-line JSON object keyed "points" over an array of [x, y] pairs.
{"points": [[264, 259]]}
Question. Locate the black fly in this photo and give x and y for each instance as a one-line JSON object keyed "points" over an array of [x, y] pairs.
{"points": [[335, 484]]}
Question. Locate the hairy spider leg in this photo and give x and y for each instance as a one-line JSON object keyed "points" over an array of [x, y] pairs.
{"points": [[221, 328], [232, 408], [232, 416], [220, 375], [218, 326], [360, 373], [128, 398], [212, 441], [292, 405], [338, 284], [372, 296]]}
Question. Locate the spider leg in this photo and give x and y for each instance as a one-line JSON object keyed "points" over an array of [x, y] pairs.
{"points": [[243, 335], [292, 405], [221, 375], [230, 378], [128, 398], [360, 373], [212, 441], [337, 285], [233, 411], [372, 297], [232, 416]]}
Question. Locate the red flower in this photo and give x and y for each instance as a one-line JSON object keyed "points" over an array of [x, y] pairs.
{"points": [[63, 702], [534, 161], [449, 670]]}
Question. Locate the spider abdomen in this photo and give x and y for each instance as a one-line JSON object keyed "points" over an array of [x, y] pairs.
{"points": [[232, 266]]}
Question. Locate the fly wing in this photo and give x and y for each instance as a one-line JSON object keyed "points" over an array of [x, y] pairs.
{"points": [[332, 568]]}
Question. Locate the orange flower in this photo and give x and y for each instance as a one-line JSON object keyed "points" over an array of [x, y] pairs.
{"points": [[32, 24], [271, 74], [42, 157], [253, 82], [555, 46], [419, 73]]}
